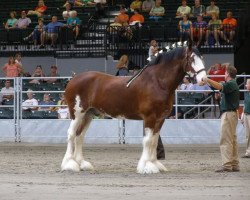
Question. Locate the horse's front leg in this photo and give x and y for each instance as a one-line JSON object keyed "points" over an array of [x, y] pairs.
{"points": [[148, 162]]}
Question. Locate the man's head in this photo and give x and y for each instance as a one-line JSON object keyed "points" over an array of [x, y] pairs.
{"points": [[199, 18], [229, 14], [212, 2], [23, 14], [7, 84], [53, 69], [183, 2], [29, 94], [158, 3], [54, 19], [231, 72], [197, 3]]}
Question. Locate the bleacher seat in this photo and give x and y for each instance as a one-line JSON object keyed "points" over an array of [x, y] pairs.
{"points": [[6, 113]]}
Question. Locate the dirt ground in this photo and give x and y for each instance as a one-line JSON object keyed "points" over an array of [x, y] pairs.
{"points": [[32, 171]]}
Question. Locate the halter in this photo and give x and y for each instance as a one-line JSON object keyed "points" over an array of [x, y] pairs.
{"points": [[190, 60]]}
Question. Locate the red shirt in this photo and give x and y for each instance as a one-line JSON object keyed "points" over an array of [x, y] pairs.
{"points": [[41, 9], [11, 70], [220, 71]]}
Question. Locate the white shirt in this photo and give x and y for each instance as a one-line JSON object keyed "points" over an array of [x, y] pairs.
{"points": [[29, 102], [184, 10], [7, 91], [63, 112], [190, 86]]}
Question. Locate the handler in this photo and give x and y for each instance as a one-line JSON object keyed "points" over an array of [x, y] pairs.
{"points": [[229, 119], [246, 118]]}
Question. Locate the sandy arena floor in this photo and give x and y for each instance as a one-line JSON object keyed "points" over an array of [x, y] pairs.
{"points": [[32, 171]]}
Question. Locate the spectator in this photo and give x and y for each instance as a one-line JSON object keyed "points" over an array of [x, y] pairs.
{"points": [[99, 8], [39, 10], [180, 113], [47, 101], [23, 22], [18, 60], [30, 103], [11, 22], [37, 32], [153, 49], [38, 73], [246, 118], [186, 85], [63, 111], [197, 86], [198, 30], [136, 4], [157, 12], [67, 13], [136, 18], [74, 23], [7, 92], [183, 9], [147, 5], [122, 66], [229, 26], [214, 26], [212, 9], [197, 9], [185, 27], [51, 32], [53, 73], [12, 69], [217, 69], [123, 17]]}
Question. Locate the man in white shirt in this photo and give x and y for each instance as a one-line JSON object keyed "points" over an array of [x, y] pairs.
{"points": [[147, 5], [30, 103], [183, 10], [7, 91]]}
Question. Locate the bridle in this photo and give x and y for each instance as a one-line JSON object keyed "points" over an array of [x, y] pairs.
{"points": [[190, 60]]}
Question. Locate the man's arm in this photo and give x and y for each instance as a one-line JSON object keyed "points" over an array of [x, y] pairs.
{"points": [[214, 84]]}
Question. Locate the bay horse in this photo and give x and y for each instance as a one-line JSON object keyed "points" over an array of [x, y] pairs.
{"points": [[149, 97]]}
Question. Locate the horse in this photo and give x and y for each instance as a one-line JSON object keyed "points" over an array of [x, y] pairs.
{"points": [[149, 98]]}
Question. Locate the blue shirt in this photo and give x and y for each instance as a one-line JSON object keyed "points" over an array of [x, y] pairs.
{"points": [[52, 27], [73, 21]]}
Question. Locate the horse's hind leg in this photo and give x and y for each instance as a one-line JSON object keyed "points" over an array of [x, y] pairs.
{"points": [[78, 155]]}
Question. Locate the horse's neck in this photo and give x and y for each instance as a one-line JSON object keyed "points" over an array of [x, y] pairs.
{"points": [[168, 77]]}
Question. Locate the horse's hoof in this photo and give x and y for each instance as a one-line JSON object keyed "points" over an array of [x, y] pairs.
{"points": [[85, 165], [70, 165], [150, 168], [160, 166]]}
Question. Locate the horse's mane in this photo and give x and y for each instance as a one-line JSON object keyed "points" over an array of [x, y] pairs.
{"points": [[167, 56]]}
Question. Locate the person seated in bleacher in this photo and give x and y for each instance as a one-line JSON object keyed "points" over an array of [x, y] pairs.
{"points": [[183, 9], [198, 30], [185, 27], [186, 84], [218, 69], [23, 22], [36, 33], [136, 18], [67, 13], [228, 28], [51, 32], [157, 12], [38, 72], [122, 66], [53, 73], [122, 16], [39, 10], [212, 9], [63, 111], [147, 5], [46, 101], [7, 92], [213, 30], [30, 103], [197, 86], [136, 4], [197, 9], [73, 22], [11, 22], [12, 69]]}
